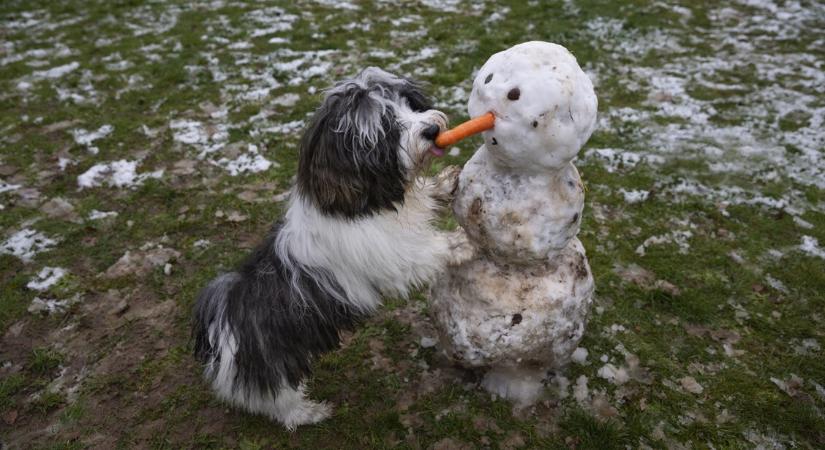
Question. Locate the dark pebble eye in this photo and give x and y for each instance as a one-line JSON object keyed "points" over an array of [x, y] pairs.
{"points": [[516, 319], [535, 123], [488, 79], [514, 94], [494, 141]]}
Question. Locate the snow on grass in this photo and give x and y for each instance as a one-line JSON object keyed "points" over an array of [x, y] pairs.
{"points": [[678, 237], [97, 215], [707, 108], [250, 162], [48, 306], [634, 196], [810, 246], [206, 138], [86, 138], [56, 72], [580, 356], [46, 278], [121, 173], [6, 187], [26, 243]]}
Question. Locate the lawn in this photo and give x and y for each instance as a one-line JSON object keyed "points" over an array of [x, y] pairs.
{"points": [[146, 146]]}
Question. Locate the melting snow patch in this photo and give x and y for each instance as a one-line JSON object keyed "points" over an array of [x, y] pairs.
{"points": [[251, 162], [579, 355], [26, 243], [120, 173], [613, 374], [678, 237], [339, 4], [580, 391], [207, 139], [776, 284], [810, 245], [56, 72], [5, 187], [614, 159], [48, 306], [96, 215], [46, 278], [634, 196], [427, 342], [85, 137], [201, 243]]}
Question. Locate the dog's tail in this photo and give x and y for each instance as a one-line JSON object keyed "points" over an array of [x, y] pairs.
{"points": [[209, 311]]}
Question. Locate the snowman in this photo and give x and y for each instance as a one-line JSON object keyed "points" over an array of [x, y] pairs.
{"points": [[518, 307]]}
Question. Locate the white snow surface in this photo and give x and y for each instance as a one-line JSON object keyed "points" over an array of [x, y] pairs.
{"points": [[26, 243], [46, 278], [120, 174]]}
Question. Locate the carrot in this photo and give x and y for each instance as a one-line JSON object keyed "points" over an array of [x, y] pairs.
{"points": [[473, 126]]}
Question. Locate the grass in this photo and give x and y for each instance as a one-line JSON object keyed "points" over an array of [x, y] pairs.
{"points": [[728, 149]]}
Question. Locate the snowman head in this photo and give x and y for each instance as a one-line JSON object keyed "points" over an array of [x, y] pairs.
{"points": [[544, 104]]}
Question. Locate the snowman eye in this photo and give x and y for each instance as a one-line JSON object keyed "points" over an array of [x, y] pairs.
{"points": [[535, 123], [514, 94], [489, 77]]}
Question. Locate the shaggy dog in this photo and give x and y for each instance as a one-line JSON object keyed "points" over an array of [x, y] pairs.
{"points": [[358, 227]]}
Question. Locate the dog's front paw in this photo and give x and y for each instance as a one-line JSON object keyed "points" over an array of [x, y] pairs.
{"points": [[446, 183], [461, 249]]}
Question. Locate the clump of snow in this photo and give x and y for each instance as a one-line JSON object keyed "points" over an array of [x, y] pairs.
{"points": [[579, 355], [776, 284], [613, 374], [201, 243], [634, 196], [26, 243], [614, 159], [5, 187], [56, 72], [678, 237], [580, 391], [427, 342], [121, 173], [96, 215], [48, 306], [46, 278], [810, 245], [86, 138], [251, 162]]}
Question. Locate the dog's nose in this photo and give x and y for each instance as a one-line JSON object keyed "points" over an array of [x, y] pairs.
{"points": [[430, 132]]}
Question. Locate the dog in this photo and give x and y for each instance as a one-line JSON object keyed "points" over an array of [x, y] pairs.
{"points": [[358, 227]]}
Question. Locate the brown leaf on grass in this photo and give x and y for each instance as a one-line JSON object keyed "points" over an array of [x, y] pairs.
{"points": [[645, 279], [9, 417], [514, 440], [59, 208], [451, 444]]}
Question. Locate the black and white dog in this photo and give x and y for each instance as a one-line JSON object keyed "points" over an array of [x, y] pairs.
{"points": [[358, 227]]}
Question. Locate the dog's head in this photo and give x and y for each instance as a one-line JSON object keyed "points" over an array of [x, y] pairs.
{"points": [[366, 143]]}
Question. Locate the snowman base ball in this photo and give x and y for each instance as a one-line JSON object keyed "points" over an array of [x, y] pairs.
{"points": [[520, 322], [519, 308]]}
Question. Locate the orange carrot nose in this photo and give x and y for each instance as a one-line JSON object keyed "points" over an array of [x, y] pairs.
{"points": [[473, 126]]}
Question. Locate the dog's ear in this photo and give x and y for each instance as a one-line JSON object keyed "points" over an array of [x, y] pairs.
{"points": [[416, 97], [349, 164]]}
